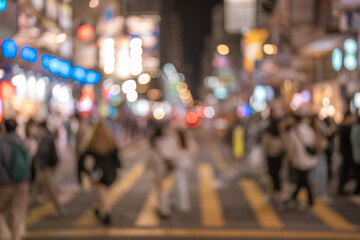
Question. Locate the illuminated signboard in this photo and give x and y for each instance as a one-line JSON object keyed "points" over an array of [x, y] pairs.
{"points": [[29, 54]]}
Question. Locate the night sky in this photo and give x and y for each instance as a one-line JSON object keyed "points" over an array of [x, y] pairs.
{"points": [[196, 19]]}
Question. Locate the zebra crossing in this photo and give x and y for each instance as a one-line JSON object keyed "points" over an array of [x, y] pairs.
{"points": [[210, 211]]}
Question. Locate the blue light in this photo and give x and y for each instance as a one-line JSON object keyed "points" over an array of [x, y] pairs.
{"points": [[3, 4], [350, 62], [54, 65], [350, 45], [78, 74], [45, 61], [260, 93], [65, 69], [29, 54], [220, 92], [245, 110], [92, 77], [337, 59], [9, 48]]}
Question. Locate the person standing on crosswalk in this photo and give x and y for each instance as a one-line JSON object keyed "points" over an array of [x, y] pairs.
{"points": [[273, 145], [162, 165], [302, 156], [185, 151], [102, 148]]}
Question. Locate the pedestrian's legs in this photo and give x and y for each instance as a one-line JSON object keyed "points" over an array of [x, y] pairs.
{"points": [[103, 199], [329, 153], [344, 173], [18, 209], [274, 170], [5, 193], [305, 182], [299, 183], [321, 176], [47, 183], [357, 176], [184, 191]]}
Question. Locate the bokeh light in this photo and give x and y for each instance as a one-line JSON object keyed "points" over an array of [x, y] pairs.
{"points": [[223, 49]]}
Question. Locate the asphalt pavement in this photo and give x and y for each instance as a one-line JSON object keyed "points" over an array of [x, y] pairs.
{"points": [[227, 201]]}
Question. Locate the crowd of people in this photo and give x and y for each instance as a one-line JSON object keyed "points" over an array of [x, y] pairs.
{"points": [[304, 148], [29, 161]]}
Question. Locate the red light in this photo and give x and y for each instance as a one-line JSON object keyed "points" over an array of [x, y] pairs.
{"points": [[7, 91], [87, 92], [200, 112], [192, 118], [85, 32]]}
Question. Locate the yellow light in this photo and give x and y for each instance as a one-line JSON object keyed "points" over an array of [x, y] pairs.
{"points": [[93, 3], [159, 113], [270, 49], [223, 49], [144, 78], [154, 94], [180, 86]]}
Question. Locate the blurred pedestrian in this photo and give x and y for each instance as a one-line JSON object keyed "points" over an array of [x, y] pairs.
{"points": [[355, 143], [162, 166], [14, 183], [320, 171], [32, 144], [302, 155], [103, 149], [346, 169], [330, 134], [46, 161], [185, 152], [273, 145]]}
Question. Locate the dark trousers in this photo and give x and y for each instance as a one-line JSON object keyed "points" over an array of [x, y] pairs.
{"points": [[303, 181], [345, 171], [274, 166], [357, 176], [329, 153]]}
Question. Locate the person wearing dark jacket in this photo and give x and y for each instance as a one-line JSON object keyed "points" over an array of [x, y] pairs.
{"points": [[45, 161], [103, 149], [13, 188], [346, 150]]}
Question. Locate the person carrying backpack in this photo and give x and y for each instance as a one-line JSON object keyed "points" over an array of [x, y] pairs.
{"points": [[14, 183]]}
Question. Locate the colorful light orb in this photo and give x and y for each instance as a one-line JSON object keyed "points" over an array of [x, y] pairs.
{"points": [[9, 48], [85, 32], [29, 54], [78, 74]]}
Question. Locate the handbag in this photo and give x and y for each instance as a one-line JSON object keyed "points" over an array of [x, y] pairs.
{"points": [[311, 150]]}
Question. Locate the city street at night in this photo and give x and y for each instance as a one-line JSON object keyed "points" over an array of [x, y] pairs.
{"points": [[179, 119]]}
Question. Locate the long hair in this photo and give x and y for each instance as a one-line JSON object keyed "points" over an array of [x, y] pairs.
{"points": [[102, 141]]}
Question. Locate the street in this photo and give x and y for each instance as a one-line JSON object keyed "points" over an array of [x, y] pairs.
{"points": [[225, 204]]}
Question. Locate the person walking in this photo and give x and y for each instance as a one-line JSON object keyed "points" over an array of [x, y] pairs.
{"points": [[273, 145], [32, 145], [103, 149], [320, 172], [161, 164], [346, 169], [14, 183], [46, 161], [185, 152], [355, 143], [302, 155]]}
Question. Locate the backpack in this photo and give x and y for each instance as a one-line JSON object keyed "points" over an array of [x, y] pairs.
{"points": [[20, 164]]}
